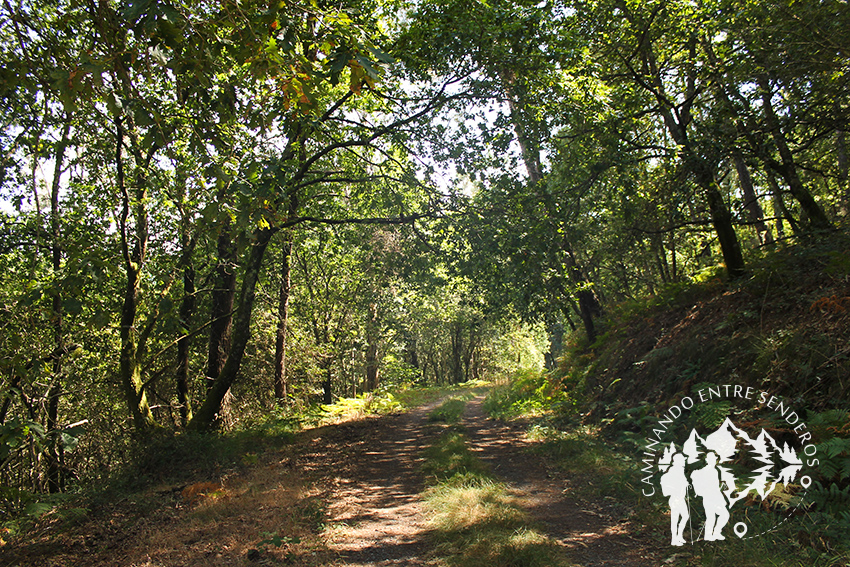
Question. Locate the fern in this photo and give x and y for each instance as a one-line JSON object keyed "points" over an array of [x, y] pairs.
{"points": [[831, 499]]}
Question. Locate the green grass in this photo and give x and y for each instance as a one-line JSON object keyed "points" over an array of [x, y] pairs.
{"points": [[449, 456], [450, 411], [476, 524], [473, 518]]}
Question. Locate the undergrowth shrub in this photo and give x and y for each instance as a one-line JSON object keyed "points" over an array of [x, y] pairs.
{"points": [[828, 499], [380, 402], [529, 393]]}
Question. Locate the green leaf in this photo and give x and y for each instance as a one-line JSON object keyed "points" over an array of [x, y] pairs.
{"points": [[36, 428], [69, 442], [380, 55], [72, 305], [367, 66], [133, 9], [100, 319]]}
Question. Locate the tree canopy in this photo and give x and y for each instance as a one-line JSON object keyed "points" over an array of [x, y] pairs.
{"points": [[216, 210]]}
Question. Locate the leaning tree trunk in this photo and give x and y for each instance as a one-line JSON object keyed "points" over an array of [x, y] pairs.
{"points": [[747, 128], [705, 175], [589, 306], [702, 168], [817, 219], [721, 220], [207, 416], [751, 203]]}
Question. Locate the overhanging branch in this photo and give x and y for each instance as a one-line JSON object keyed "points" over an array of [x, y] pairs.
{"points": [[401, 219]]}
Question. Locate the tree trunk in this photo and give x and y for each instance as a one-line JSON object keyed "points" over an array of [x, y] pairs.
{"points": [[705, 176], [702, 168], [55, 458], [327, 381], [410, 349], [751, 203], [529, 148], [779, 208], [187, 309], [207, 416], [555, 334], [788, 169], [745, 126], [280, 390], [130, 371], [673, 261], [588, 305], [221, 316], [469, 354], [721, 219], [221, 312], [457, 344], [843, 169], [187, 305], [530, 152], [372, 338]]}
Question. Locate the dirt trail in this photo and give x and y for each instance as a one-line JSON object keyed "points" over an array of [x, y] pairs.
{"points": [[375, 484], [371, 473], [591, 531], [360, 480]]}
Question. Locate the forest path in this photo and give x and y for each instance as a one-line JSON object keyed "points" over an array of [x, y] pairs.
{"points": [[344, 495], [590, 529], [371, 471]]}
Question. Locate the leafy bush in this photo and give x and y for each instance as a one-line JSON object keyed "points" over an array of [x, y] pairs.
{"points": [[380, 402], [398, 372], [529, 392]]}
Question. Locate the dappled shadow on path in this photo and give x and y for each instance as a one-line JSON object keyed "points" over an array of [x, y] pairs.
{"points": [[371, 468], [592, 532], [369, 471]]}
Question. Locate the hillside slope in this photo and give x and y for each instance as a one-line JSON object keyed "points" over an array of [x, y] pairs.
{"points": [[784, 328]]}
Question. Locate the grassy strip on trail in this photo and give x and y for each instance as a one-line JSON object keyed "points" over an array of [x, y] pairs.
{"points": [[451, 410], [473, 517]]}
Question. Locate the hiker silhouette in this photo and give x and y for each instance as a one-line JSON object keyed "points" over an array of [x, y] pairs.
{"points": [[674, 484], [706, 483]]}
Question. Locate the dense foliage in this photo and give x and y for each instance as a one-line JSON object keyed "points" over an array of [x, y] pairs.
{"points": [[216, 211]]}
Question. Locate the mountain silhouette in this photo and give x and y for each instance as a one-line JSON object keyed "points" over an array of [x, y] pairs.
{"points": [[772, 463]]}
